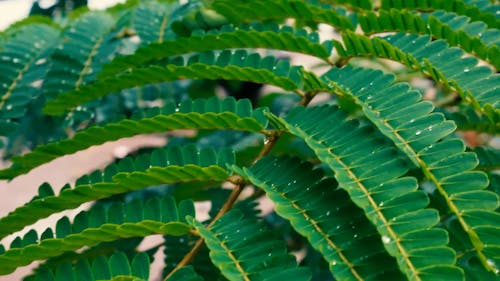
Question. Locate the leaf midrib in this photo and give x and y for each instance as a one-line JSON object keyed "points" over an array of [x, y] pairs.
{"points": [[323, 234], [473, 236], [376, 208]]}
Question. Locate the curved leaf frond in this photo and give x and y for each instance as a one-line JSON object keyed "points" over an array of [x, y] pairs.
{"points": [[157, 216], [334, 225], [256, 35], [240, 11], [163, 166], [243, 250], [87, 43], [151, 21], [210, 113], [371, 173], [421, 135], [228, 65], [474, 37], [23, 63], [462, 7], [475, 84], [117, 267]]}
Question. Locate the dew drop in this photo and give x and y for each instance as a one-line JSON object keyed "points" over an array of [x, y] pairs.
{"points": [[270, 254], [381, 204], [40, 61], [334, 263], [15, 60], [466, 70], [386, 239], [493, 265], [355, 236], [328, 213], [418, 133]]}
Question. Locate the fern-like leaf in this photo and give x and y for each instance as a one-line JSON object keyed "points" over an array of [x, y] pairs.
{"points": [[371, 173], [23, 63], [157, 216], [242, 249], [256, 35], [117, 267], [87, 43], [163, 166], [419, 134], [457, 30], [240, 11], [151, 21], [334, 225], [461, 7], [212, 113], [475, 84], [238, 65]]}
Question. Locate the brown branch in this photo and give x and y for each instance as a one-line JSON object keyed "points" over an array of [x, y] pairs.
{"points": [[199, 243]]}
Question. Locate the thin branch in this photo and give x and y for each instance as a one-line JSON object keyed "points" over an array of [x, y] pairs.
{"points": [[199, 243]]}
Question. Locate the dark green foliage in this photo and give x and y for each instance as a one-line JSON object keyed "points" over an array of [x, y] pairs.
{"points": [[371, 127]]}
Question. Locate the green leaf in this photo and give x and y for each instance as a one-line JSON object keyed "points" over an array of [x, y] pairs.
{"points": [[211, 114], [228, 65], [87, 43], [474, 83], [369, 171], [243, 250], [152, 21], [473, 37], [23, 64], [352, 4], [256, 35], [185, 273], [239, 11], [86, 231], [162, 166], [420, 135], [334, 225], [461, 7]]}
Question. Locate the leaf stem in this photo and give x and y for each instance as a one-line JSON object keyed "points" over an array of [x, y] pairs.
{"points": [[199, 243]]}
